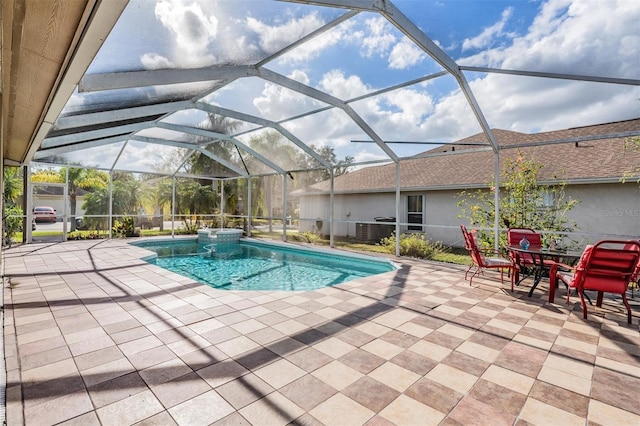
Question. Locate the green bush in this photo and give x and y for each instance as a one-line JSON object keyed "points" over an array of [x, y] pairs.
{"points": [[124, 228], [306, 237], [413, 245]]}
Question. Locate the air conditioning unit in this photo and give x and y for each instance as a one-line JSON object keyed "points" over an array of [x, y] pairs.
{"points": [[363, 232], [373, 231]]}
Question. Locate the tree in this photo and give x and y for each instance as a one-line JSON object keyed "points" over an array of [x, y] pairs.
{"points": [[524, 203], [12, 213], [78, 178]]}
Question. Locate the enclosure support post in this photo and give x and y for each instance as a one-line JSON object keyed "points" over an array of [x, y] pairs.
{"points": [[65, 197], [496, 201], [110, 221], [221, 204], [331, 209], [26, 236], [398, 208], [28, 202], [284, 207], [249, 206], [173, 206]]}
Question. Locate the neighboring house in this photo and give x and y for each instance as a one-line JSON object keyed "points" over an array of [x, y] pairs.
{"points": [[53, 196], [430, 183]]}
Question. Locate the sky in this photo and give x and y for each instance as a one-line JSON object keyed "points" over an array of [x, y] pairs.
{"points": [[367, 53]]}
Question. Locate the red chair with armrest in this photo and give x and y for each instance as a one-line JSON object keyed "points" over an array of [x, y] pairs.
{"points": [[481, 261], [526, 260], [607, 266]]}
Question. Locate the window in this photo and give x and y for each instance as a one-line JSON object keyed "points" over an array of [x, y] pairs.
{"points": [[415, 212]]}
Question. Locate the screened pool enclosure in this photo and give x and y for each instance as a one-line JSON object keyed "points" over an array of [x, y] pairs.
{"points": [[228, 113]]}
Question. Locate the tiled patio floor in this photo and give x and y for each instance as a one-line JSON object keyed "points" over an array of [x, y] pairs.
{"points": [[93, 335]]}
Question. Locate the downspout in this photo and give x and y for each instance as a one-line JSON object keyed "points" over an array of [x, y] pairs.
{"points": [[398, 208]]}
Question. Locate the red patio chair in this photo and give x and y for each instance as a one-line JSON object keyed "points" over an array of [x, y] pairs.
{"points": [[608, 266], [515, 235], [481, 261]]}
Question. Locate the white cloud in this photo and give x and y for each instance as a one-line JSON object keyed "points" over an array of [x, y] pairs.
{"points": [[153, 61], [274, 38], [277, 103], [588, 37], [487, 36], [379, 39], [405, 54], [335, 83], [193, 31]]}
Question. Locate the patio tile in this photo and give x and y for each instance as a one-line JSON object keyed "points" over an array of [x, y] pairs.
{"points": [[165, 371], [107, 371], [307, 392], [613, 388], [466, 363], [244, 390], [394, 376], [221, 373], [57, 410], [471, 410], [279, 373], [43, 358], [499, 397], [111, 391], [344, 408], [560, 398], [536, 412], [233, 419], [205, 408], [406, 411], [36, 393], [600, 413], [509, 379], [337, 375], [273, 409], [310, 359], [353, 352], [361, 360], [237, 346]]}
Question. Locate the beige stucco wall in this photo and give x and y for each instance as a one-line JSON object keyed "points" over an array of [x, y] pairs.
{"points": [[604, 211]]}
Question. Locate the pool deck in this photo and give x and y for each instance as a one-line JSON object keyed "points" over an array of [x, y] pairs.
{"points": [[95, 336]]}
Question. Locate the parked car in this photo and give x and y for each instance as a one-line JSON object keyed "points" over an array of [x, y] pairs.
{"points": [[44, 214]]}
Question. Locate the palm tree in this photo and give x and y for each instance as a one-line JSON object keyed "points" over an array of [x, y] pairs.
{"points": [[81, 178]]}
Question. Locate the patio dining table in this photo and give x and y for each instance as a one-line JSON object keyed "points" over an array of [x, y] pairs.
{"points": [[538, 256]]}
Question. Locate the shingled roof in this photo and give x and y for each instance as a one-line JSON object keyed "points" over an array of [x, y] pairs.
{"points": [[575, 155]]}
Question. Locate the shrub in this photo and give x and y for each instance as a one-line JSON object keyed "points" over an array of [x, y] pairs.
{"points": [[413, 245], [306, 237], [124, 228]]}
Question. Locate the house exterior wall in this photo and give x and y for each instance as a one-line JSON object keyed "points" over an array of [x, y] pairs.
{"points": [[604, 211], [607, 210], [349, 209]]}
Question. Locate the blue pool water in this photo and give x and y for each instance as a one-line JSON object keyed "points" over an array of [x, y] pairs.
{"points": [[255, 266]]}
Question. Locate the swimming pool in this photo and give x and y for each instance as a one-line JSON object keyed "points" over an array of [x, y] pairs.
{"points": [[260, 265]]}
